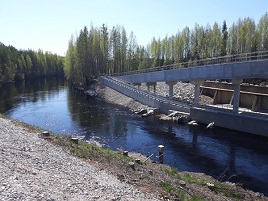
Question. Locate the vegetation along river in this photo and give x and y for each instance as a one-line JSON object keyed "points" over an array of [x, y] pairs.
{"points": [[224, 154]]}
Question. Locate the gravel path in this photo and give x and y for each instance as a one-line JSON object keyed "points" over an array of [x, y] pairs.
{"points": [[34, 169]]}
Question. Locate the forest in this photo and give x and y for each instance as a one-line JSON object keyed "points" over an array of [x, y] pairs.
{"points": [[18, 65], [97, 51]]}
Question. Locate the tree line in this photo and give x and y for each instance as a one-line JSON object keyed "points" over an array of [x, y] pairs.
{"points": [[18, 65], [99, 51]]}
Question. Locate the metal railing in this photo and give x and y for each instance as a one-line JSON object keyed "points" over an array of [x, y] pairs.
{"points": [[244, 57], [153, 96]]}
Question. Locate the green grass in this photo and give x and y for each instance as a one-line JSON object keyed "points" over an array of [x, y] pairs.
{"points": [[168, 187], [191, 179], [177, 194], [220, 188], [89, 151], [172, 171], [196, 198]]}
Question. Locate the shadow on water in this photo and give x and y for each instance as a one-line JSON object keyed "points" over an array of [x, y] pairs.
{"points": [[221, 153]]}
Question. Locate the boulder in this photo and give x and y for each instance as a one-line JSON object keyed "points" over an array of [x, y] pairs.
{"points": [[193, 123], [211, 125], [166, 118], [174, 114], [141, 111], [183, 119]]}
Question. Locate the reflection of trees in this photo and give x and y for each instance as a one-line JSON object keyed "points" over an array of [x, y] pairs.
{"points": [[93, 113], [23, 92], [86, 113], [6, 93], [119, 125]]}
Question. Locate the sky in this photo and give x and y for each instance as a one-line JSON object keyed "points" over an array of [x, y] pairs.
{"points": [[49, 24]]}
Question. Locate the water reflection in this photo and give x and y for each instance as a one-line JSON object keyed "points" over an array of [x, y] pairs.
{"points": [[221, 153]]}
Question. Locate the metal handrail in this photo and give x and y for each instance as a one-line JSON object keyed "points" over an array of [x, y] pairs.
{"points": [[149, 94], [202, 62]]}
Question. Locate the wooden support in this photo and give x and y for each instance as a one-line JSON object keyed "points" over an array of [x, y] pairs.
{"points": [[74, 140], [45, 134], [132, 165], [161, 154], [125, 153], [137, 160]]}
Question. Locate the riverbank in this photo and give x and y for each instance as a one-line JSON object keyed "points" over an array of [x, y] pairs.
{"points": [[34, 168]]}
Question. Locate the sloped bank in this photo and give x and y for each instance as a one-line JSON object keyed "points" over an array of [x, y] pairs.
{"points": [[38, 168]]}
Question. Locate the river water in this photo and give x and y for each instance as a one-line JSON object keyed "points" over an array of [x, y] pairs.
{"points": [[221, 153]]}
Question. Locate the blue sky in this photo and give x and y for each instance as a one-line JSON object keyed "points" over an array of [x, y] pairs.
{"points": [[49, 24]]}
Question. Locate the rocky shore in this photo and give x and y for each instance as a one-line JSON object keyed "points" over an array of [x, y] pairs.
{"points": [[31, 168]]}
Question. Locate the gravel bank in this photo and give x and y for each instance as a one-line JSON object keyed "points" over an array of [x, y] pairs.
{"points": [[34, 169], [182, 91]]}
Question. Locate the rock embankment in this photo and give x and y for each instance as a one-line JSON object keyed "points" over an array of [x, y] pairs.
{"points": [[34, 169], [183, 92]]}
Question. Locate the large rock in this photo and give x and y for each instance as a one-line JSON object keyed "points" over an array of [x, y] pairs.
{"points": [[141, 111]]}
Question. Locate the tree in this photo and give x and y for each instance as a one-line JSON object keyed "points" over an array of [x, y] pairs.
{"points": [[224, 39], [104, 44], [262, 33]]}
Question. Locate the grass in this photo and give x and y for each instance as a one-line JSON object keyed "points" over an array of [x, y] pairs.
{"points": [[172, 171], [176, 193], [191, 179], [89, 151], [220, 188]]}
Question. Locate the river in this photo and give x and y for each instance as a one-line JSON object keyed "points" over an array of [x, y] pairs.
{"points": [[221, 153]]}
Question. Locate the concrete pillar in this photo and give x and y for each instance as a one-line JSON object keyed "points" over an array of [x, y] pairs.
{"points": [[197, 84], [236, 100], [154, 86], [151, 84], [170, 89], [137, 84], [148, 87]]}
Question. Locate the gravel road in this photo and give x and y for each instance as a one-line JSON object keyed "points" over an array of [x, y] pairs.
{"points": [[34, 169]]}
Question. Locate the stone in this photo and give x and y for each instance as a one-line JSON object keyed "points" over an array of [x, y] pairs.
{"points": [[211, 125], [141, 111], [132, 165], [193, 123], [183, 120]]}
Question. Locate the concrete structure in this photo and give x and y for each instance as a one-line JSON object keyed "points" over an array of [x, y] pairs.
{"points": [[245, 122], [233, 119], [231, 71], [170, 89], [197, 75]]}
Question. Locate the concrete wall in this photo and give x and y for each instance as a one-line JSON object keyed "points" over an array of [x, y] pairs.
{"points": [[241, 122], [143, 97], [243, 70]]}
